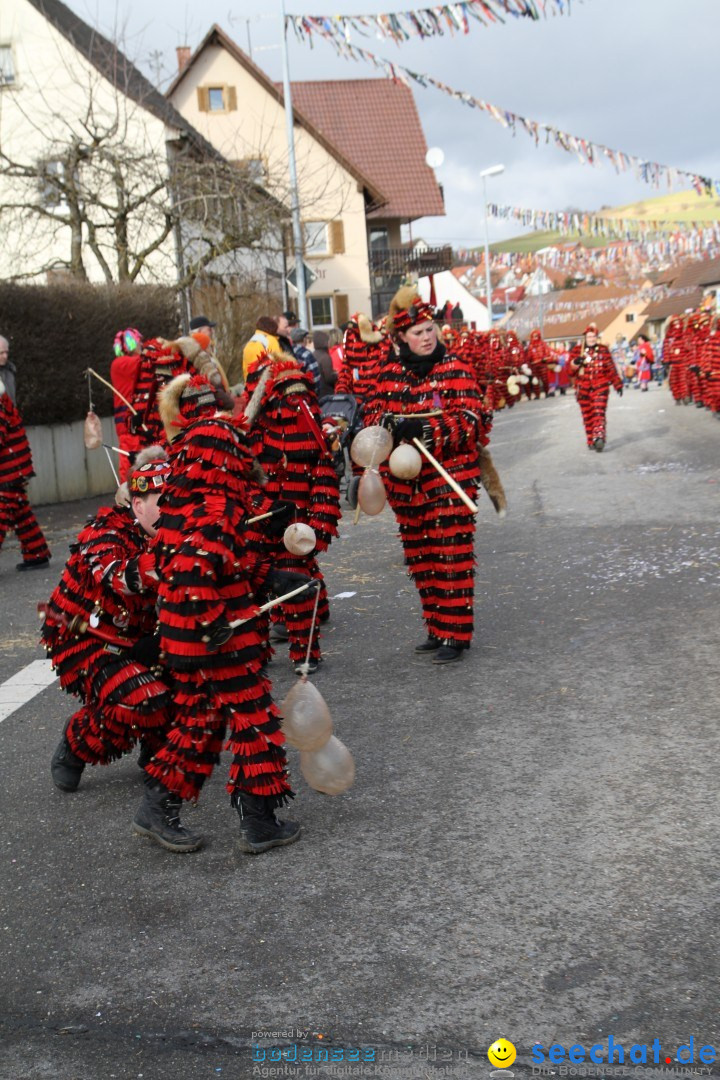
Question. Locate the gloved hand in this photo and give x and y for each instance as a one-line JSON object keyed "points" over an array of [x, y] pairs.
{"points": [[146, 650], [280, 582], [409, 429], [388, 421], [278, 523], [620, 392], [217, 633]]}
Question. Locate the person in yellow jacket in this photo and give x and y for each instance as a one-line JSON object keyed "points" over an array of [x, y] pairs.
{"points": [[264, 340]]}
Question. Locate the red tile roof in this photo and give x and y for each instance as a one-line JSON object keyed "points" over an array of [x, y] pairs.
{"points": [[375, 124]]}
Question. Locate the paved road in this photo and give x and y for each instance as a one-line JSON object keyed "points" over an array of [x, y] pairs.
{"points": [[530, 849]]}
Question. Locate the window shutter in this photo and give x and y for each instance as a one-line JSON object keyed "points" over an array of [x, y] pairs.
{"points": [[342, 306], [203, 99], [337, 237], [231, 98]]}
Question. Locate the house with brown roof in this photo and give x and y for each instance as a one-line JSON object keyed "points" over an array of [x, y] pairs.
{"points": [[358, 184]]}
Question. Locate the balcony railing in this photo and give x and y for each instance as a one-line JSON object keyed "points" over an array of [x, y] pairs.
{"points": [[394, 262]]}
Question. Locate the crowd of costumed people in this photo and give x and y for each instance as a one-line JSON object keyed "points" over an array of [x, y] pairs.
{"points": [[172, 603]]}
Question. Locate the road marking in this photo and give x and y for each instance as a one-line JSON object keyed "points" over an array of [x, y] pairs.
{"points": [[23, 686]]}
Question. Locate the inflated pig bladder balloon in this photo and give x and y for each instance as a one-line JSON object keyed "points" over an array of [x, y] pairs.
{"points": [[299, 539], [405, 462], [330, 769], [92, 432], [371, 446], [306, 719], [371, 493]]}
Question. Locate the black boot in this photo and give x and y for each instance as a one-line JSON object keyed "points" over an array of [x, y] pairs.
{"points": [[66, 768], [260, 830], [431, 645], [145, 756], [448, 654], [158, 818]]}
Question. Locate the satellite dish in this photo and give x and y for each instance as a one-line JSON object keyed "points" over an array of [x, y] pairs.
{"points": [[434, 157]]}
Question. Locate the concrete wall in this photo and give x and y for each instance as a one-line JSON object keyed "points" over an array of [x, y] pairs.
{"points": [[65, 469]]}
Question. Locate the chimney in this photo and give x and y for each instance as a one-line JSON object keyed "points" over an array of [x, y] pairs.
{"points": [[183, 57]]}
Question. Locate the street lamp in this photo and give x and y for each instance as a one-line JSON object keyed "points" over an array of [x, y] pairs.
{"points": [[494, 170]]}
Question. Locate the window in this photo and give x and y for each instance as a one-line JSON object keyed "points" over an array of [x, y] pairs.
{"points": [[7, 68], [51, 178], [321, 312], [315, 238], [217, 98], [630, 317]]}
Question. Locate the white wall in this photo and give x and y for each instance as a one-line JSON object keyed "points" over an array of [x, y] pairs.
{"points": [[447, 287]]}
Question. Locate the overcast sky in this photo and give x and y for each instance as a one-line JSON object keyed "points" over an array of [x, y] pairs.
{"points": [[637, 75]]}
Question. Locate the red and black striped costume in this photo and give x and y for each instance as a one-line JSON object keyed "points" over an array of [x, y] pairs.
{"points": [[437, 530], [711, 365], [286, 439], [541, 361], [675, 353], [123, 699], [364, 347], [595, 372], [16, 468], [210, 577], [698, 328], [499, 368]]}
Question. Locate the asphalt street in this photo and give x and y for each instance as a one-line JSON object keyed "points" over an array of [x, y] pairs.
{"points": [[530, 849]]}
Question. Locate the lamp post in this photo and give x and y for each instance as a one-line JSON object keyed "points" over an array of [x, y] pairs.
{"points": [[294, 191], [494, 170]]}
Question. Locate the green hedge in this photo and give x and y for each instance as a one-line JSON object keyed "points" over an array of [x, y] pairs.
{"points": [[57, 331]]}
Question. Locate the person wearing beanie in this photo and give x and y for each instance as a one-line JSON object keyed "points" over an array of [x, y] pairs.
{"points": [[300, 339], [592, 366], [264, 340], [16, 469], [100, 632], [424, 392], [214, 574]]}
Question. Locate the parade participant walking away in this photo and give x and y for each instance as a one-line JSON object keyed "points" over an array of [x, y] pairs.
{"points": [[675, 356], [264, 340], [16, 469], [286, 438], [124, 372], [594, 371], [364, 346], [422, 391], [8, 370], [100, 633], [209, 582]]}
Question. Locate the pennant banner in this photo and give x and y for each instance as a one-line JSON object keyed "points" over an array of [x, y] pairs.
{"points": [[427, 22], [587, 223], [588, 152]]}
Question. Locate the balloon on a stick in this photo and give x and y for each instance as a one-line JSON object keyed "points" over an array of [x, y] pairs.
{"points": [[330, 769]]}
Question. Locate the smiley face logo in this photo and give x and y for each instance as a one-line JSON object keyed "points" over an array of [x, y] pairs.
{"points": [[501, 1054]]}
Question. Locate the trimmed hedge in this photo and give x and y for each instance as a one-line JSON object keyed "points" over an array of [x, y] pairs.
{"points": [[57, 331]]}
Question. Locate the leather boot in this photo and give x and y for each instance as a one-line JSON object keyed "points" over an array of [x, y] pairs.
{"points": [[66, 768], [431, 645], [448, 654], [158, 818], [260, 830]]}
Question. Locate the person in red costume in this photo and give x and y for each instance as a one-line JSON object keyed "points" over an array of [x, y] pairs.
{"points": [[423, 391], [211, 579], [286, 438], [675, 355], [124, 370], [99, 633], [592, 366], [16, 469], [541, 360], [364, 346]]}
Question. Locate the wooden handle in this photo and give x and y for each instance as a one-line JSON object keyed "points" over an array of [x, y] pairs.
{"points": [[446, 476]]}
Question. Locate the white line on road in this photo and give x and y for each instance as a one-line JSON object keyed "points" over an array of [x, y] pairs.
{"points": [[21, 687]]}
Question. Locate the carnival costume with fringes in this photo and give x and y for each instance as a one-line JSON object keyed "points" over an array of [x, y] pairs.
{"points": [[541, 360], [103, 606], [285, 435], [16, 468], [209, 578], [437, 530], [364, 348], [594, 370]]}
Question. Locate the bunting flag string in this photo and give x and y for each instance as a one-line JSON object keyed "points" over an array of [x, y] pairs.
{"points": [[587, 223], [426, 22], [588, 152]]}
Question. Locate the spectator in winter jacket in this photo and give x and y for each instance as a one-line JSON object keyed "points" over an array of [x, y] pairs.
{"points": [[265, 339], [328, 375], [7, 369], [301, 350]]}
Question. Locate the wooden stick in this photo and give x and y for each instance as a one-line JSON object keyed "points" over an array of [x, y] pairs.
{"points": [[446, 476], [115, 391], [278, 600]]}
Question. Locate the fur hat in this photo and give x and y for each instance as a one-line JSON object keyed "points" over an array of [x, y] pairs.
{"points": [[186, 398], [407, 309], [368, 333]]}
